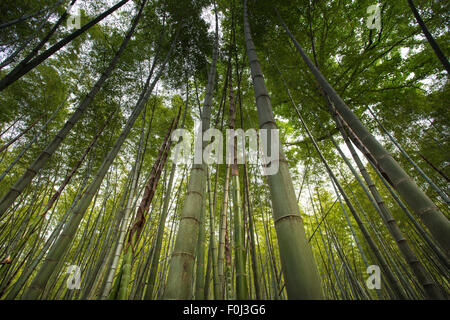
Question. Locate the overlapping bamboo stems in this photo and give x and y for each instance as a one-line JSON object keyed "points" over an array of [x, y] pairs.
{"points": [[43, 229], [441, 255], [33, 37], [30, 15], [386, 216], [436, 222], [127, 211], [179, 279], [212, 252], [111, 241], [241, 275], [328, 251], [66, 237], [162, 220], [29, 63], [136, 229], [413, 163], [16, 138], [299, 269], [391, 278], [409, 255], [40, 44], [8, 199], [222, 235]]}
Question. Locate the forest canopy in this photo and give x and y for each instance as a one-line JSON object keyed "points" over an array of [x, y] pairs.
{"points": [[347, 100]]}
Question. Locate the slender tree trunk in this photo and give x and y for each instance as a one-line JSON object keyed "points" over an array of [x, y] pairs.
{"points": [[179, 279], [409, 255], [436, 48], [208, 271], [20, 134], [156, 254], [435, 169], [60, 246], [22, 69], [8, 199], [300, 272], [11, 125], [435, 220], [239, 248], [28, 16]]}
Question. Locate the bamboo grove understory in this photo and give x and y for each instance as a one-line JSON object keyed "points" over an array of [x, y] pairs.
{"points": [[95, 204]]}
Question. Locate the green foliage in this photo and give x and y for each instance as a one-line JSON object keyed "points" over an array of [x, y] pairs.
{"points": [[394, 71]]}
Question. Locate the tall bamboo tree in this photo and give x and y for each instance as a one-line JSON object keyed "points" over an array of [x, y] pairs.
{"points": [[179, 279], [434, 219], [299, 269]]}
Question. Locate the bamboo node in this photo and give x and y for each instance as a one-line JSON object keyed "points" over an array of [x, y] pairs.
{"points": [[287, 216]]}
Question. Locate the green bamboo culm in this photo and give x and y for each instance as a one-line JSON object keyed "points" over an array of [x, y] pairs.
{"points": [[8, 199], [299, 268], [126, 274], [156, 254], [179, 278], [431, 289], [419, 202], [222, 234], [239, 247], [200, 272], [115, 289], [241, 274], [212, 241], [60, 246]]}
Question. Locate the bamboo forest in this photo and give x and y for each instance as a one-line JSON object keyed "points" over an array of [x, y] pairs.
{"points": [[224, 150]]}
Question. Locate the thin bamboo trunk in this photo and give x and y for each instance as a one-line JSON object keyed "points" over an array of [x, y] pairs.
{"points": [[409, 255], [239, 249], [162, 221], [200, 272], [435, 220], [436, 48], [179, 279], [212, 231], [222, 235], [59, 247], [300, 272], [435, 169], [24, 68], [21, 134], [8, 199]]}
